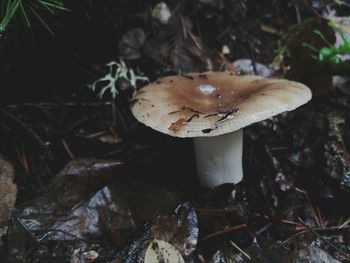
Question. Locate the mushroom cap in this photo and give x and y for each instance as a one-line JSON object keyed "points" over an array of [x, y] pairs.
{"points": [[214, 103]]}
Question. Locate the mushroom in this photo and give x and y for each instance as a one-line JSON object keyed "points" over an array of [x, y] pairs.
{"points": [[213, 108]]}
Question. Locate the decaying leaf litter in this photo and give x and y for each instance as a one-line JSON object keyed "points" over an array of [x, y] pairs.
{"points": [[93, 185]]}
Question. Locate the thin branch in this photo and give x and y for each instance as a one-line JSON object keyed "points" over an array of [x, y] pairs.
{"points": [[25, 127], [224, 231], [240, 250], [346, 255]]}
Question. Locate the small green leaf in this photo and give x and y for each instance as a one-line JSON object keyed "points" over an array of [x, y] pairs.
{"points": [[326, 53], [310, 47], [320, 34]]}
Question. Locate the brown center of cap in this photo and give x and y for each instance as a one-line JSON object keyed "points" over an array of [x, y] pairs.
{"points": [[206, 94]]}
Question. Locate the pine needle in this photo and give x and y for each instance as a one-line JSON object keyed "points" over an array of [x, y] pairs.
{"points": [[42, 21], [24, 14], [27, 9]]}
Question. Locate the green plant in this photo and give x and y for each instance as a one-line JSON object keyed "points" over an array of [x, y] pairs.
{"points": [[109, 81], [26, 10], [280, 54], [331, 54], [339, 2]]}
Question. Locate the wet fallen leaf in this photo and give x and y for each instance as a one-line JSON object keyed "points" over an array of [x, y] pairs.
{"points": [[180, 229], [87, 207], [313, 254], [159, 251], [8, 190]]}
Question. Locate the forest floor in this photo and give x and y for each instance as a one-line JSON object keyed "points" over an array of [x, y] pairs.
{"points": [[82, 181]]}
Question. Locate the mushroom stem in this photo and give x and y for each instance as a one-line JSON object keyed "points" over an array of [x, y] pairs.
{"points": [[219, 158]]}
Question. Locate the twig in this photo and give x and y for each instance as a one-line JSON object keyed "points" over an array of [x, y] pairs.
{"points": [[25, 127], [114, 116], [347, 256], [240, 250], [49, 231], [318, 229], [297, 12], [345, 224], [69, 152], [21, 154], [289, 222], [323, 229], [263, 229], [315, 210], [59, 104], [224, 231], [95, 134], [292, 237], [75, 125], [213, 210], [263, 216], [183, 27]]}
